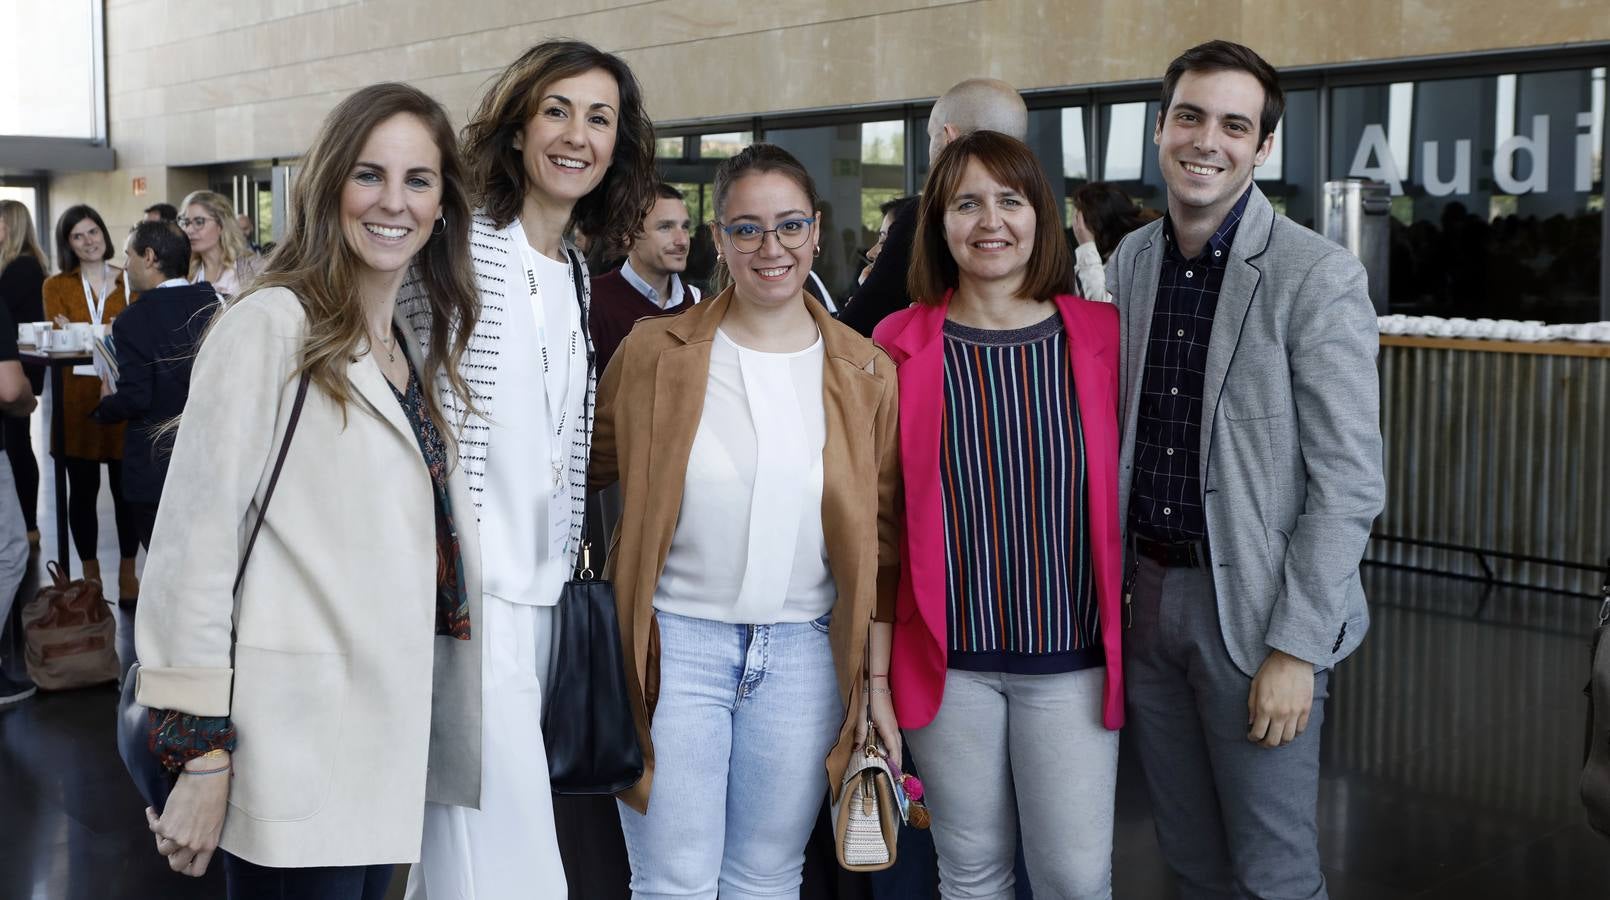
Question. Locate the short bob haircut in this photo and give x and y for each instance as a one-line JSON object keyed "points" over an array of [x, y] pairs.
{"points": [[1225, 56], [612, 211], [65, 257], [1009, 161]]}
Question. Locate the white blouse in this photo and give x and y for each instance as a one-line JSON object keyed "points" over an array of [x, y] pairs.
{"points": [[748, 546]]}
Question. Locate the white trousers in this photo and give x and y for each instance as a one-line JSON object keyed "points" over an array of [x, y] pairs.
{"points": [[507, 848]]}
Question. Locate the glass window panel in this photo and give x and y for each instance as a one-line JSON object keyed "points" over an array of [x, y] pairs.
{"points": [[1128, 156], [1074, 164], [668, 148], [1497, 189], [59, 39], [721, 146], [856, 166], [883, 143], [1289, 178]]}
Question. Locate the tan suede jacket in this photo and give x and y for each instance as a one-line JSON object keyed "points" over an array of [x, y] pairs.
{"points": [[649, 404]]}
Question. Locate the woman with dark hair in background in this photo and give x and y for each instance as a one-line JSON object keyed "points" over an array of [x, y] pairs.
{"points": [[559, 144], [90, 290], [1102, 215], [22, 281], [311, 714], [754, 440], [1007, 637]]}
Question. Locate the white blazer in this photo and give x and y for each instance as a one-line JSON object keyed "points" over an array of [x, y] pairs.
{"points": [[327, 661]]}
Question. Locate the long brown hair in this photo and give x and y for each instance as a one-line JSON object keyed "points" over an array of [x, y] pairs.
{"points": [[612, 211], [315, 262], [1010, 162], [20, 237]]}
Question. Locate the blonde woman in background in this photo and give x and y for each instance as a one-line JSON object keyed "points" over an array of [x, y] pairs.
{"points": [[22, 279], [90, 289], [219, 253]]}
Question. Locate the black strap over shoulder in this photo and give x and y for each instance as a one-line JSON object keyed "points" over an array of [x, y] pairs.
{"points": [[274, 478]]}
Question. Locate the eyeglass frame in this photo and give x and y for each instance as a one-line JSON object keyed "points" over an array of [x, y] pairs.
{"points": [[184, 221], [809, 221]]}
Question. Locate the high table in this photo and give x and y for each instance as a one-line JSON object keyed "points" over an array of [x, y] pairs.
{"points": [[58, 361]]}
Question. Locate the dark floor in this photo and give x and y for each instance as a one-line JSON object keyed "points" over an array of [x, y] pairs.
{"points": [[1451, 752]]}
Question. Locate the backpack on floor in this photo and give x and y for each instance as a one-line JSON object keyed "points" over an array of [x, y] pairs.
{"points": [[70, 635]]}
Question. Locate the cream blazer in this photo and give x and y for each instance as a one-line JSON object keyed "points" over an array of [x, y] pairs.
{"points": [[327, 661]]}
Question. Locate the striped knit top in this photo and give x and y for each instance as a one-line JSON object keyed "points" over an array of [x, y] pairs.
{"points": [[1018, 584]]}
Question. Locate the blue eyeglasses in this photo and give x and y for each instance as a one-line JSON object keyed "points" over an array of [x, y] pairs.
{"points": [[791, 234]]}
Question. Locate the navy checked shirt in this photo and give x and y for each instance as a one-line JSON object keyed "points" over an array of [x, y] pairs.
{"points": [[1166, 501]]}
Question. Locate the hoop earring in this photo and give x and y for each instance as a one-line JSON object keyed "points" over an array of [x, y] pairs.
{"points": [[441, 225]]}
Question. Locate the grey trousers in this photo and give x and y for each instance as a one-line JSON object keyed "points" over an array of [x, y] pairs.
{"points": [[1234, 819], [13, 542], [1006, 749]]}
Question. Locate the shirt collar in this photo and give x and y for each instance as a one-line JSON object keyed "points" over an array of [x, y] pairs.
{"points": [[644, 288], [1223, 236], [173, 282]]}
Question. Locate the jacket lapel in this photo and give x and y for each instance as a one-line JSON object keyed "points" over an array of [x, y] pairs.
{"points": [[366, 376], [920, 350], [1135, 307], [681, 375], [1236, 293]]}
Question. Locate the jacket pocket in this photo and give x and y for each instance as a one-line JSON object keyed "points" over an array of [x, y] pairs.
{"points": [[288, 711]]}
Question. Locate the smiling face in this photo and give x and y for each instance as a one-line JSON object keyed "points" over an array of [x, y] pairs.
{"points": [[663, 245], [989, 227], [393, 195], [87, 241], [201, 227], [1207, 142], [568, 145], [773, 275]]}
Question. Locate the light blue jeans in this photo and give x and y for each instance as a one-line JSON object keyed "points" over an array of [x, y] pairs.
{"points": [[745, 719]]}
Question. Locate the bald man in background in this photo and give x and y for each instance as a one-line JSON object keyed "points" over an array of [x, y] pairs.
{"points": [[977, 104]]}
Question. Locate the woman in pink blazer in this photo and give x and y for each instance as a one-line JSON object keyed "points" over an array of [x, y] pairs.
{"points": [[1004, 667]]}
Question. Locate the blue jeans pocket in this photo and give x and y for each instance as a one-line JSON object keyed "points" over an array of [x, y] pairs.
{"points": [[821, 623]]}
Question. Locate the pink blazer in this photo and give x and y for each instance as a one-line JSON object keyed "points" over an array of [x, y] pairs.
{"points": [[913, 339]]}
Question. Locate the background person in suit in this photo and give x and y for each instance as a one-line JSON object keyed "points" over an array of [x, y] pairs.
{"points": [[155, 341], [311, 715], [977, 104], [1250, 475]]}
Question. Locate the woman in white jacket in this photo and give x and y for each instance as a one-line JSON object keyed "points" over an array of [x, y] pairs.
{"points": [[311, 714]]}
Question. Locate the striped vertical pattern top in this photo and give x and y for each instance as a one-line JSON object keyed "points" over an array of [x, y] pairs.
{"points": [[1018, 581]]}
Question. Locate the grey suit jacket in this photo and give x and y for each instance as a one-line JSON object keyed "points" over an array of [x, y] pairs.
{"points": [[1291, 441]]}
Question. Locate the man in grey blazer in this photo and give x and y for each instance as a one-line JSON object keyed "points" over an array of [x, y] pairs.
{"points": [[1251, 474]]}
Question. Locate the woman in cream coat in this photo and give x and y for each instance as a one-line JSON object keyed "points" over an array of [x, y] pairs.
{"points": [[348, 665]]}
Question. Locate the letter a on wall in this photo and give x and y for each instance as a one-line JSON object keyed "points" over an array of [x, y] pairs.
{"points": [[1373, 143]]}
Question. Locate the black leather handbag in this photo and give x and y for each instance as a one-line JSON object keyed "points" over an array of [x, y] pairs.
{"points": [[133, 720], [587, 712]]}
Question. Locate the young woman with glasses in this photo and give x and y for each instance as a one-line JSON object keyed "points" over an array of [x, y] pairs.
{"points": [[219, 253], [754, 440], [1006, 653], [310, 714]]}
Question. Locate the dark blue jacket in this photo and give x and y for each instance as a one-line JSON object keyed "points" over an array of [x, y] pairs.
{"points": [[155, 341]]}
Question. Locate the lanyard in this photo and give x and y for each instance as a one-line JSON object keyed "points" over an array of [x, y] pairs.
{"points": [[558, 409], [96, 302]]}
